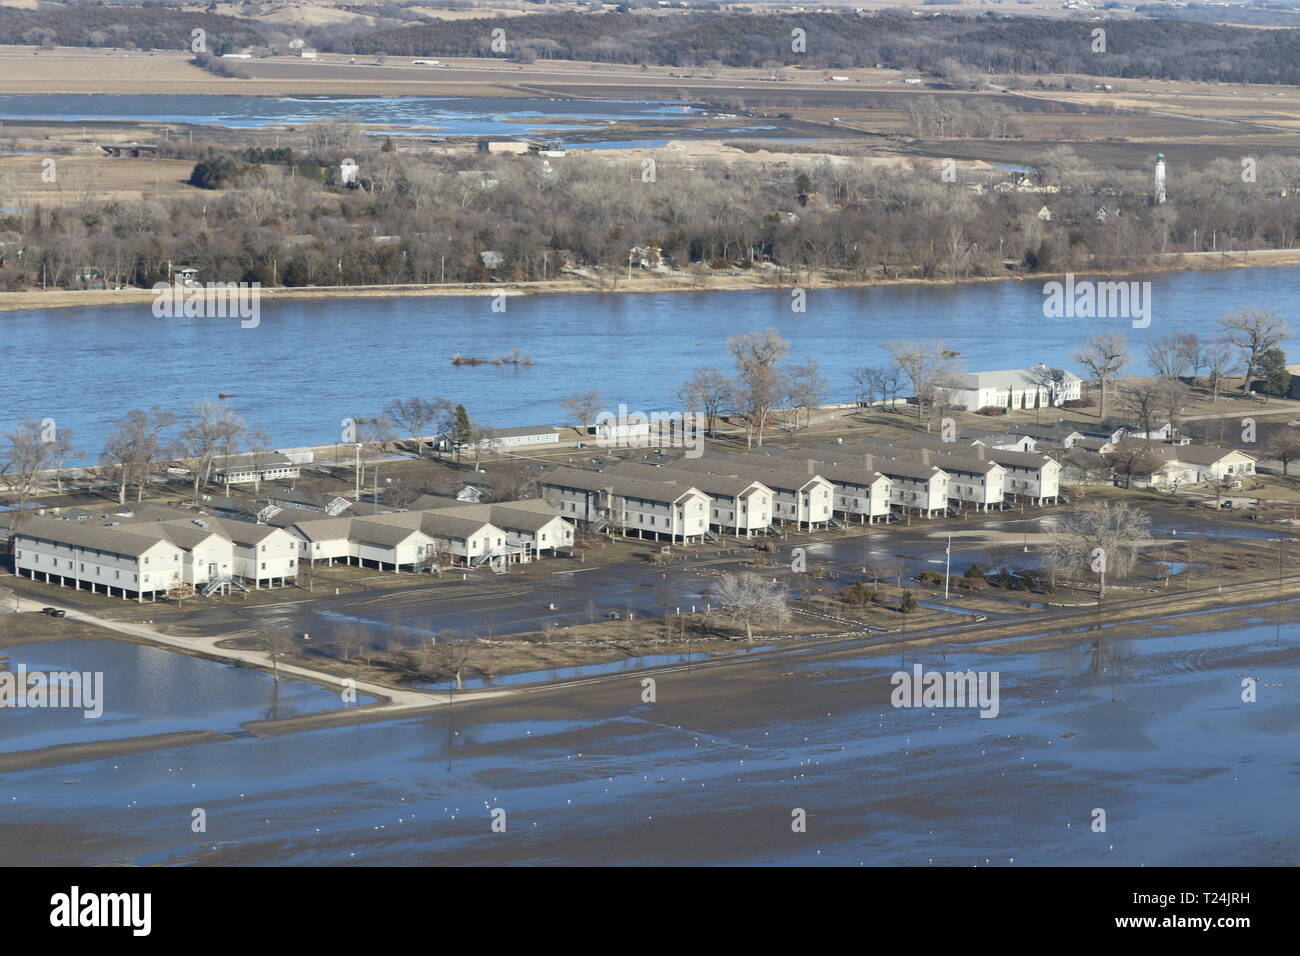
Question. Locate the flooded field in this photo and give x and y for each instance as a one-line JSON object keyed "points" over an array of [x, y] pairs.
{"points": [[148, 690], [1153, 730]]}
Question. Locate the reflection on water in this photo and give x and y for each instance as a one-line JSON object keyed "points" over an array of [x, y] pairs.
{"points": [[1154, 730], [149, 690]]}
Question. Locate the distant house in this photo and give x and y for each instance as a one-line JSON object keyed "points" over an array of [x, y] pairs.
{"points": [[645, 257], [1195, 464], [324, 503], [11, 249], [89, 277], [240, 509], [1117, 429], [524, 437], [528, 435], [1062, 434], [497, 147], [256, 466], [1004, 441]]}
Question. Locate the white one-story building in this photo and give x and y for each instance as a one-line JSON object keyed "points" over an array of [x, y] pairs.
{"points": [[1015, 388]]}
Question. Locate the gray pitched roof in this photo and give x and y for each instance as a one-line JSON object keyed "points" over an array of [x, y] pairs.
{"points": [[639, 488], [115, 540]]}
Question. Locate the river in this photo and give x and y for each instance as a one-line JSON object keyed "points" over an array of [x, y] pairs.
{"points": [[312, 362]]}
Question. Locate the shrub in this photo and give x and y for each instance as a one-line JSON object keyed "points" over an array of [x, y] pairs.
{"points": [[992, 410]]}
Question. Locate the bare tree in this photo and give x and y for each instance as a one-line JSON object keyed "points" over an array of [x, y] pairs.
{"points": [[1253, 331], [260, 447], [1050, 380], [584, 406], [806, 386], [26, 457], [452, 654], [869, 382], [1173, 397], [415, 415], [758, 380], [1220, 362], [929, 368], [212, 429], [483, 438], [63, 450], [1105, 355], [278, 643], [1103, 537], [1143, 399], [135, 446], [1133, 456], [750, 600], [350, 636], [705, 392], [1284, 446], [1169, 356]]}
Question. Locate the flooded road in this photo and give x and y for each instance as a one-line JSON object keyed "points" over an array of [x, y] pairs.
{"points": [[1152, 729]]}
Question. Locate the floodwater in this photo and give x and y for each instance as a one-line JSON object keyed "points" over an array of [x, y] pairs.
{"points": [[634, 349], [149, 690], [441, 115], [1153, 731]]}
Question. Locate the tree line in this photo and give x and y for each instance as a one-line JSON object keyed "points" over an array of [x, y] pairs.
{"points": [[988, 43], [417, 218]]}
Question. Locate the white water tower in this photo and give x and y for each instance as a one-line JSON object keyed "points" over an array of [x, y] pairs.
{"points": [[1160, 179]]}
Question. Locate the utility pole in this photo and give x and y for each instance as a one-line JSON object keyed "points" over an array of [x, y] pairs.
{"points": [[947, 568], [358, 476]]}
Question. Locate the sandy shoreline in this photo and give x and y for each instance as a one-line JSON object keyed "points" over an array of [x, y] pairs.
{"points": [[70, 298]]}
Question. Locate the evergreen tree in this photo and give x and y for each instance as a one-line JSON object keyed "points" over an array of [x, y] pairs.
{"points": [[462, 431]]}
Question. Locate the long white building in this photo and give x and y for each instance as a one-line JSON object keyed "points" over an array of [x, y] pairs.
{"points": [[740, 506], [144, 558], [603, 499]]}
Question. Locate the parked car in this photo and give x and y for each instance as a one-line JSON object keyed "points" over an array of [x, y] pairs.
{"points": [[613, 616], [54, 611]]}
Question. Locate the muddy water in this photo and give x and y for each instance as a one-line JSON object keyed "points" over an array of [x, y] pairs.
{"points": [[1152, 730], [148, 690]]}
